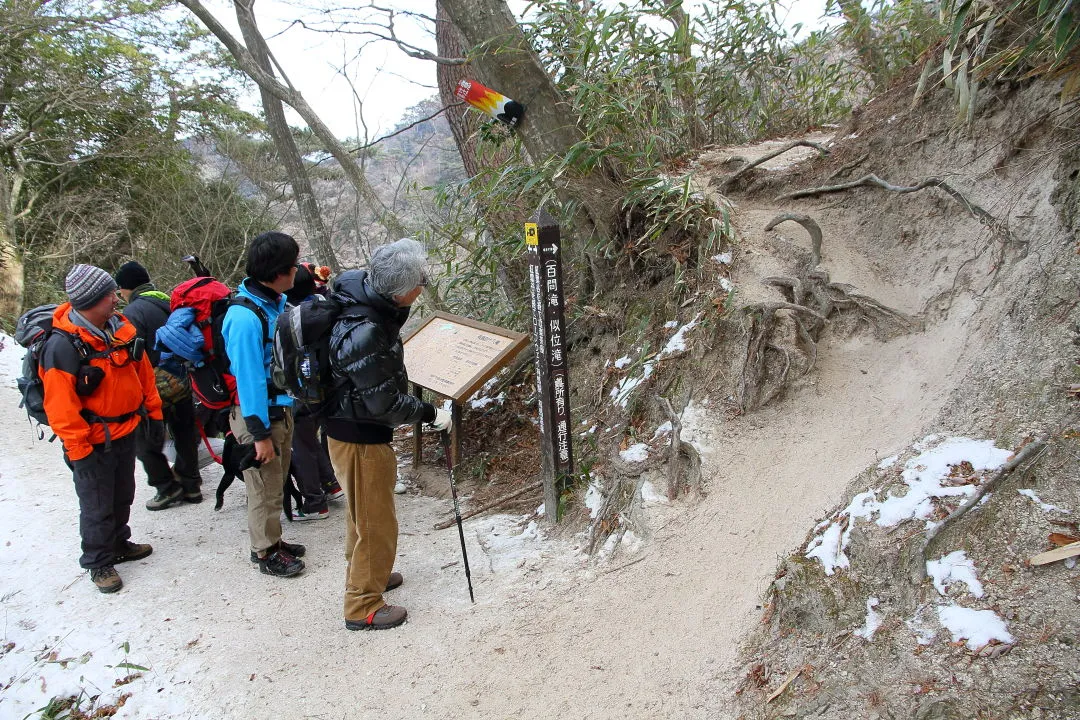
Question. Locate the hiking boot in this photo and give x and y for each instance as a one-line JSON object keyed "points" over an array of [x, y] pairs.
{"points": [[301, 516], [106, 578], [280, 563], [334, 492], [295, 549], [166, 498], [395, 581], [193, 496], [129, 551], [387, 616]]}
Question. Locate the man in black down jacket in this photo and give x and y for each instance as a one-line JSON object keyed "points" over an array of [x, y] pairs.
{"points": [[148, 309], [366, 353]]}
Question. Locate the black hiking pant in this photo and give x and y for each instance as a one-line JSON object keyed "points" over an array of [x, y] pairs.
{"points": [[310, 462], [180, 419], [106, 489]]}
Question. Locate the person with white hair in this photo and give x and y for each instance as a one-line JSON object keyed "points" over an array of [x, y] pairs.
{"points": [[367, 353]]}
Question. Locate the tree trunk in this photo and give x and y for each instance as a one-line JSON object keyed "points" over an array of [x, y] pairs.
{"points": [[549, 127], [463, 123], [12, 276], [306, 202], [291, 97]]}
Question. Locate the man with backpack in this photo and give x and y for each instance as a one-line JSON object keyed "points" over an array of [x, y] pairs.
{"points": [[263, 414], [366, 351], [148, 310], [99, 388]]}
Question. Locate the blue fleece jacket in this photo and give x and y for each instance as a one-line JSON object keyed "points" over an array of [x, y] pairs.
{"points": [[249, 354]]}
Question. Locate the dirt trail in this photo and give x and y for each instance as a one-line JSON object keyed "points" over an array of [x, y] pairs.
{"points": [[549, 633]]}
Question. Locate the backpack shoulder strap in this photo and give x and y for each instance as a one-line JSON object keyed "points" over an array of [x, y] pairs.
{"points": [[253, 306]]}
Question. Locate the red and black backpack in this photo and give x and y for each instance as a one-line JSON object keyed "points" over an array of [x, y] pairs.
{"points": [[211, 382]]}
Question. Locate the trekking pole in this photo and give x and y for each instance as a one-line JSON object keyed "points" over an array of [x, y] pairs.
{"points": [[457, 511]]}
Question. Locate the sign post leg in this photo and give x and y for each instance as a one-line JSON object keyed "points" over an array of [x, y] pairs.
{"points": [[418, 431]]}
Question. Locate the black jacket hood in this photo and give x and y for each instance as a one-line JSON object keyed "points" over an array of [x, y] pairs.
{"points": [[352, 288]]}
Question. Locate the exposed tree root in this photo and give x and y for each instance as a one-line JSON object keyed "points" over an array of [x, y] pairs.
{"points": [[809, 225], [725, 184], [873, 180], [811, 300], [678, 451]]}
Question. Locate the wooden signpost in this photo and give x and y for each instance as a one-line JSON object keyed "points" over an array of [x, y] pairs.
{"points": [[454, 356], [552, 367]]}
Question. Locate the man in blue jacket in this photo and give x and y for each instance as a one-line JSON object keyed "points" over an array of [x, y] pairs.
{"points": [[263, 413]]}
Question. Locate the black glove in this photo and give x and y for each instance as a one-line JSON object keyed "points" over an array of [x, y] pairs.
{"points": [[155, 433], [89, 468], [245, 456]]}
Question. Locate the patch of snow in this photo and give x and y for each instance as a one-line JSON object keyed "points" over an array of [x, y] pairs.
{"points": [[651, 496], [506, 544], [638, 452], [593, 499], [888, 462], [726, 285], [924, 473], [621, 392], [724, 258], [1045, 506], [11, 358], [671, 324], [482, 402], [678, 340], [977, 627], [628, 543], [873, 620], [664, 429], [923, 476], [954, 567], [622, 362]]}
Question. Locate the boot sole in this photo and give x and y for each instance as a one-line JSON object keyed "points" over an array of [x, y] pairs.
{"points": [[264, 571], [165, 506], [349, 625], [109, 589]]}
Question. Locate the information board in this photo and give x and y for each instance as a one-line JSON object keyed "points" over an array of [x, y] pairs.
{"points": [[454, 356]]}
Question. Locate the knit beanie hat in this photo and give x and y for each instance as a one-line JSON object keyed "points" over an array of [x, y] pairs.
{"points": [[86, 285], [131, 275]]}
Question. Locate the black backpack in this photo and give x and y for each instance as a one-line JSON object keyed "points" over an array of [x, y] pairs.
{"points": [[33, 329], [301, 361]]}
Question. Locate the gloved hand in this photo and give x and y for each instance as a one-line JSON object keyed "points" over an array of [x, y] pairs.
{"points": [[443, 421], [245, 457], [89, 468], [155, 433]]}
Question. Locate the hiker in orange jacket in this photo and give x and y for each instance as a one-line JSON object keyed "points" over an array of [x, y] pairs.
{"points": [[100, 391]]}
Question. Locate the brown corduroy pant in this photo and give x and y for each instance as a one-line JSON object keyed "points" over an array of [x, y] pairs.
{"points": [[265, 484], [367, 474]]}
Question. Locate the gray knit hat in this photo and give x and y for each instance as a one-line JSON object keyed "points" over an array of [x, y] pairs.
{"points": [[86, 285]]}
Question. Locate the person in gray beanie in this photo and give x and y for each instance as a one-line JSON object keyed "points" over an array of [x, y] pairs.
{"points": [[86, 285], [148, 310], [99, 393]]}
